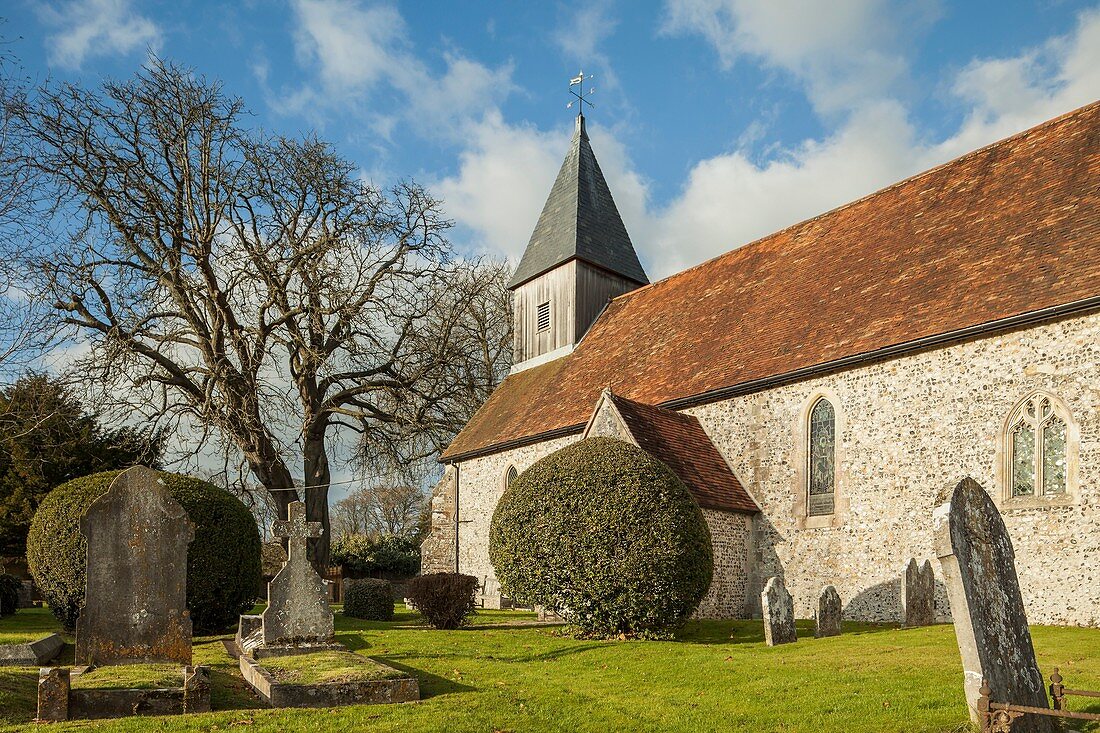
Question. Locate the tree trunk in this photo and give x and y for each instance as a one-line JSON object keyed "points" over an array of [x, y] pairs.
{"points": [[318, 475], [272, 473]]}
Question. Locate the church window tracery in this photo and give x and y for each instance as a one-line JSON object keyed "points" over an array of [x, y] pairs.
{"points": [[509, 476], [821, 455], [1037, 448]]}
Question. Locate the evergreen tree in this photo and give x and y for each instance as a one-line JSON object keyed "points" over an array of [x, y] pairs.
{"points": [[47, 438]]}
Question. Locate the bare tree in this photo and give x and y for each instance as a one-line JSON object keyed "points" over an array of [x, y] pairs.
{"points": [[25, 326], [388, 510], [252, 288], [472, 319]]}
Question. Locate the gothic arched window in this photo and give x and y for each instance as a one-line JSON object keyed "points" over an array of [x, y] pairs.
{"points": [[821, 453], [1036, 448], [510, 476]]}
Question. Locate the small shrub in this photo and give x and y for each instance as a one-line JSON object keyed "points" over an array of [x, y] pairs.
{"points": [[446, 600], [223, 561], [362, 556], [607, 534], [9, 594], [368, 598]]}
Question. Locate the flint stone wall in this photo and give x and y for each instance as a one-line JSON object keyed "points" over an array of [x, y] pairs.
{"points": [[910, 428], [437, 551]]}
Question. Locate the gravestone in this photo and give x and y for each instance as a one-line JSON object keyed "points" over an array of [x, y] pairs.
{"points": [[135, 600], [778, 609], [977, 559], [298, 611], [918, 594], [829, 613]]}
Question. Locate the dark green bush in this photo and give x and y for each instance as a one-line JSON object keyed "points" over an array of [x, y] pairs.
{"points": [[9, 594], [223, 561], [607, 534], [446, 600], [362, 556], [369, 598]]}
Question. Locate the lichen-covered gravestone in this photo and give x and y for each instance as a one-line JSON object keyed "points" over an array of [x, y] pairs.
{"points": [[829, 613], [918, 594], [977, 559], [298, 610], [135, 601], [778, 609]]}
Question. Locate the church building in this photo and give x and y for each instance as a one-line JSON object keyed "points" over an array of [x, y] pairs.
{"points": [[821, 390]]}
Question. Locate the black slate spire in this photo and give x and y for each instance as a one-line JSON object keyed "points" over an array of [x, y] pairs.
{"points": [[580, 221]]}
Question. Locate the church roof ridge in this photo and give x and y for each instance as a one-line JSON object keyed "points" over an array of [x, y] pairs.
{"points": [[1006, 234], [1035, 129], [579, 221]]}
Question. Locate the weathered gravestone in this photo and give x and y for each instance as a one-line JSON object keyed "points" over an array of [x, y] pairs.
{"points": [[918, 594], [778, 609], [829, 613], [297, 609], [135, 600], [977, 559]]}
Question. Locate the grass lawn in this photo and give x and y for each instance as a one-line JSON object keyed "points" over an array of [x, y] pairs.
{"points": [[130, 677], [321, 667], [718, 676]]}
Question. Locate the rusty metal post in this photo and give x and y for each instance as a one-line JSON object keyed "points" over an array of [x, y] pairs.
{"points": [[1057, 691], [984, 718]]}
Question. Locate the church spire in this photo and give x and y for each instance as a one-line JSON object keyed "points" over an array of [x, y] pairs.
{"points": [[580, 221], [579, 256]]}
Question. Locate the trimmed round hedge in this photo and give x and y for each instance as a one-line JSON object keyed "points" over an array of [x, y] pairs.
{"points": [[368, 598], [607, 535], [223, 561]]}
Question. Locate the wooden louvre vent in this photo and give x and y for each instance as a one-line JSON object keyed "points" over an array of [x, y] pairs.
{"points": [[544, 316]]}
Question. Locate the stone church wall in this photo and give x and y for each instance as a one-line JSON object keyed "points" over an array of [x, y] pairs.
{"points": [[480, 486], [908, 431], [731, 535]]}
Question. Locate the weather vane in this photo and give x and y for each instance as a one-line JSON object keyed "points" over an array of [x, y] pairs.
{"points": [[581, 96]]}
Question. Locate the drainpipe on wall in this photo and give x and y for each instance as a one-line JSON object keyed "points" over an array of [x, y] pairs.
{"points": [[457, 483]]}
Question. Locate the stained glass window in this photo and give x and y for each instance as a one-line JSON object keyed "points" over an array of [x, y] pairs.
{"points": [[1023, 461], [510, 476], [1037, 449], [1054, 457], [822, 458]]}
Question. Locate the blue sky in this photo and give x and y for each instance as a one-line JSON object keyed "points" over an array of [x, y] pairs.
{"points": [[717, 121]]}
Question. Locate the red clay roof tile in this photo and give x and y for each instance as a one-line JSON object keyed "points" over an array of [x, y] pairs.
{"points": [[1006, 230]]}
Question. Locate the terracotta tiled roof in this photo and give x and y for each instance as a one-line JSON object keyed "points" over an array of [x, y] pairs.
{"points": [[1007, 230], [679, 441]]}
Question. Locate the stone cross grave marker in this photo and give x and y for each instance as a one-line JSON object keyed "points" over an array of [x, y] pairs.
{"points": [[976, 555], [829, 613], [918, 594], [298, 610], [135, 600], [778, 608]]}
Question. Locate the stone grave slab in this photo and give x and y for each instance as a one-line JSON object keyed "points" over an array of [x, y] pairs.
{"points": [[829, 613], [32, 654], [135, 603], [978, 563], [778, 609], [918, 594], [57, 700]]}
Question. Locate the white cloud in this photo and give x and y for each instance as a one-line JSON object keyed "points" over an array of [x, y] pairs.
{"points": [[363, 52], [96, 28], [731, 199], [842, 51]]}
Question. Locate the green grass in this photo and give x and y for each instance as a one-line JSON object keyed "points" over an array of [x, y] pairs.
{"points": [[718, 676], [322, 667], [131, 677], [27, 625]]}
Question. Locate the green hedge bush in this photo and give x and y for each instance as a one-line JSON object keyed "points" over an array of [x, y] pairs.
{"points": [[362, 556], [368, 598], [446, 600], [223, 561], [9, 594], [606, 534]]}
